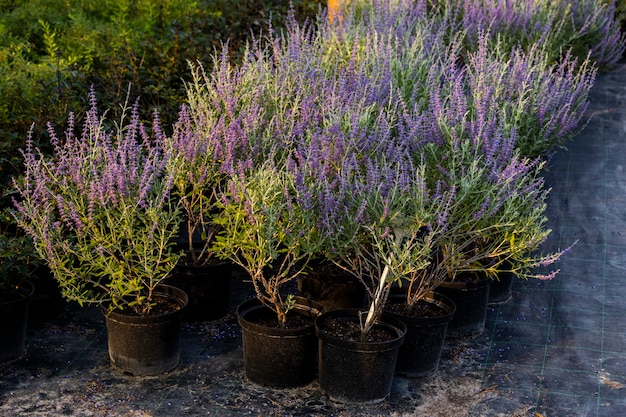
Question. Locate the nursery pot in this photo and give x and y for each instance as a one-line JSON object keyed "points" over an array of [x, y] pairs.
{"points": [[47, 299], [501, 288], [147, 345], [470, 296], [426, 324], [352, 371], [275, 356], [332, 287], [208, 289], [14, 315]]}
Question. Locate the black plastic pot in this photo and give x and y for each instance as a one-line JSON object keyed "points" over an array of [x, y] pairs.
{"points": [[14, 321], [470, 298], [501, 289], [274, 356], [352, 371], [420, 353], [146, 345], [47, 300], [208, 289]]}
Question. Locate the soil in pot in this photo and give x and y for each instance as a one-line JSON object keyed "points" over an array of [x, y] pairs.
{"points": [[427, 321], [470, 295], [148, 345], [14, 320], [276, 355], [352, 370], [208, 289]]}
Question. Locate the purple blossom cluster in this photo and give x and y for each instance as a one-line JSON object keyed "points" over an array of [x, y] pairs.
{"points": [[104, 170], [98, 208], [539, 88], [597, 28], [588, 27], [486, 118], [543, 103]]}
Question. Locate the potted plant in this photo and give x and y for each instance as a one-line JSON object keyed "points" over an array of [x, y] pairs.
{"points": [[100, 215], [197, 175], [497, 219], [265, 231], [236, 117], [382, 226]]}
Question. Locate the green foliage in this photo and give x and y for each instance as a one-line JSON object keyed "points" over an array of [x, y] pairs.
{"points": [[496, 223]]}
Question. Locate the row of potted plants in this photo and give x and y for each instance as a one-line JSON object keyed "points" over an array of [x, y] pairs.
{"points": [[377, 144]]}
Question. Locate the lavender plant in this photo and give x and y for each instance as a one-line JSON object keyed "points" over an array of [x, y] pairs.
{"points": [[375, 210], [99, 211], [281, 98], [391, 41], [542, 104], [196, 177], [300, 110], [209, 143], [544, 101], [240, 118], [324, 116], [253, 112], [267, 232], [230, 124], [588, 29], [497, 216], [237, 118], [399, 230], [470, 122]]}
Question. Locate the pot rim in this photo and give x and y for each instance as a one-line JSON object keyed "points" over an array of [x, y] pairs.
{"points": [[432, 297], [388, 322], [168, 291], [303, 306], [467, 285]]}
